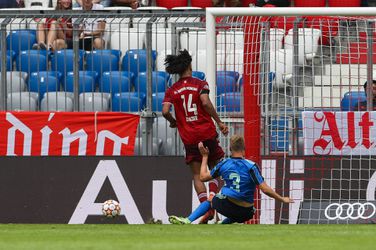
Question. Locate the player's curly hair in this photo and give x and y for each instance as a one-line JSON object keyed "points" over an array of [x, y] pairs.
{"points": [[178, 64]]}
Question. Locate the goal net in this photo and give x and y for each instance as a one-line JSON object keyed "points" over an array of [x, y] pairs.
{"points": [[295, 78]]}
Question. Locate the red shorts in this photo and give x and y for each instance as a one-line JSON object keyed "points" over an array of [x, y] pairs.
{"points": [[215, 152]]}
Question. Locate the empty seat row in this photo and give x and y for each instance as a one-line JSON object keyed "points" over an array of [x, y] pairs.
{"points": [[110, 82], [281, 26], [90, 101], [281, 60], [99, 60], [95, 101], [230, 46], [57, 101]]}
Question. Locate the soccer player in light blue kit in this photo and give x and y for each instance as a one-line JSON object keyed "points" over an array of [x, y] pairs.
{"points": [[241, 176]]}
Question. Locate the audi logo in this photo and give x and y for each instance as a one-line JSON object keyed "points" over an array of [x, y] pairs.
{"points": [[352, 211]]}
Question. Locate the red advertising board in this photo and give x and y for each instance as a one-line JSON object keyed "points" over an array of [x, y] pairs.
{"points": [[339, 133], [67, 133]]}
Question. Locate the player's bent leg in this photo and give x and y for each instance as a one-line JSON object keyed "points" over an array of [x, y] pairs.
{"points": [[200, 211], [178, 220]]}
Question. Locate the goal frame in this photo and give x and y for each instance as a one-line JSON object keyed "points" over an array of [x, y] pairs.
{"points": [[252, 108]]}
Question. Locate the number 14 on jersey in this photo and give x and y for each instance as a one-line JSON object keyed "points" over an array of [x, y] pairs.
{"points": [[190, 108]]}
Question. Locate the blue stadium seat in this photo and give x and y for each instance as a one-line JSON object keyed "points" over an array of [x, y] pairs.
{"points": [[19, 40], [9, 62], [63, 61], [229, 102], [135, 61], [279, 136], [142, 97], [126, 102], [114, 52], [46, 74], [157, 101], [271, 76], [12, 54], [198, 74], [93, 74], [166, 76], [351, 99], [101, 62], [130, 75], [234, 74], [32, 61], [115, 82], [159, 82], [86, 81], [43, 84], [225, 83]]}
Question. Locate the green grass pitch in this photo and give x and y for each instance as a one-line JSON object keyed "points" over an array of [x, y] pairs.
{"points": [[231, 237]]}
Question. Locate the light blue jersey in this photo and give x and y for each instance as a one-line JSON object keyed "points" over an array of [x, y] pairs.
{"points": [[241, 177]]}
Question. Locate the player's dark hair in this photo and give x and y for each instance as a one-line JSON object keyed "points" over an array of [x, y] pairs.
{"points": [[178, 64], [237, 143], [365, 85]]}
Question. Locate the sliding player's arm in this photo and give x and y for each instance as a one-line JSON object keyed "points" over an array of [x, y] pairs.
{"points": [[265, 188], [271, 193], [204, 171]]}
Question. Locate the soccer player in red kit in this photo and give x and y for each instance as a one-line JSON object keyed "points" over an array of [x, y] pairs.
{"points": [[193, 118]]}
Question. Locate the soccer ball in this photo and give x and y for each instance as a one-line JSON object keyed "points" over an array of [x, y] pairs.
{"points": [[111, 208]]}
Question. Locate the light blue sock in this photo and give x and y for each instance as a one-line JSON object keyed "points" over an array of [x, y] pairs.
{"points": [[200, 211]]}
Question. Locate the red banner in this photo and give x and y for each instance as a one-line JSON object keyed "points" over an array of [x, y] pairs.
{"points": [[67, 133]]}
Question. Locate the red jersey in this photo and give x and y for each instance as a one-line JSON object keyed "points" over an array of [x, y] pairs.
{"points": [[193, 122]]}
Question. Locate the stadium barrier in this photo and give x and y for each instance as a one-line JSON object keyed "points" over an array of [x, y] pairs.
{"points": [[281, 79], [126, 75], [148, 187]]}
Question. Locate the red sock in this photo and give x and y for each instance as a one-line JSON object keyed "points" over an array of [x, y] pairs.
{"points": [[202, 197], [213, 187]]}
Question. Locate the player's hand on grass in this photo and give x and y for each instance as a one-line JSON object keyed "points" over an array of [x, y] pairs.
{"points": [[223, 128], [204, 151], [287, 200]]}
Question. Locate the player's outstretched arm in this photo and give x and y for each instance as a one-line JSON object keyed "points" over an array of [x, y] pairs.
{"points": [[271, 193], [204, 172], [208, 106], [167, 114]]}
